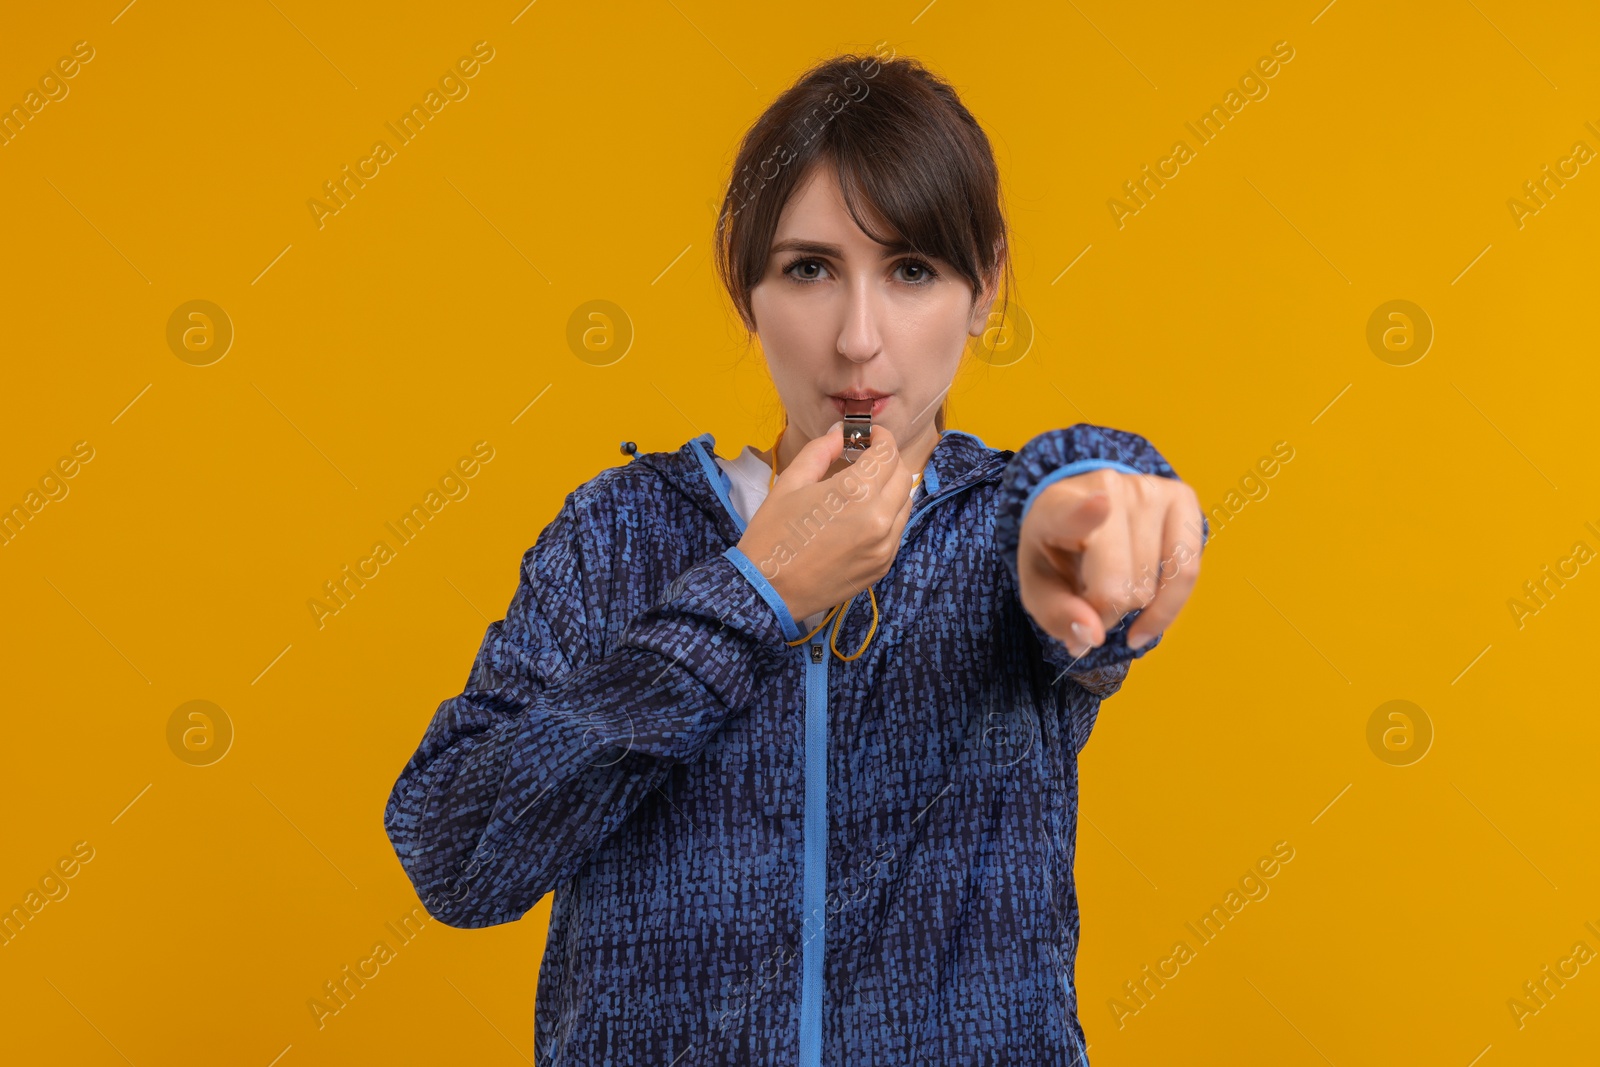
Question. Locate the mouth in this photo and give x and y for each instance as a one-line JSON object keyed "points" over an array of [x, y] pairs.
{"points": [[854, 402]]}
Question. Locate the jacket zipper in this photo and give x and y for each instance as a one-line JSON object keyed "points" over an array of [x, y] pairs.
{"points": [[814, 884], [814, 893]]}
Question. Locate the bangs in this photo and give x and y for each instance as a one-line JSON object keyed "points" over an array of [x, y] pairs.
{"points": [[905, 200]]}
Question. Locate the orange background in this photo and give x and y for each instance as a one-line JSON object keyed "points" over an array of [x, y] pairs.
{"points": [[1229, 314]]}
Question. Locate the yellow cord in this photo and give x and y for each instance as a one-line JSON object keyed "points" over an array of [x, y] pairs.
{"points": [[835, 613]]}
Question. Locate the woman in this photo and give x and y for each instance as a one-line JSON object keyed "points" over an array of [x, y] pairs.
{"points": [[771, 843]]}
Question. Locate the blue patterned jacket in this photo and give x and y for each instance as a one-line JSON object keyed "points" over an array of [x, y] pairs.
{"points": [[764, 854]]}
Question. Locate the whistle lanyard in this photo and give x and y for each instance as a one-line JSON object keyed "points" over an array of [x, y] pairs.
{"points": [[838, 611]]}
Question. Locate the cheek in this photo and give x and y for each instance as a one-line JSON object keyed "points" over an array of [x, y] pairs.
{"points": [[933, 338], [927, 343], [795, 340]]}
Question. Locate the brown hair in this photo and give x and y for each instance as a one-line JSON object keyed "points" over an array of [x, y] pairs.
{"points": [[901, 142]]}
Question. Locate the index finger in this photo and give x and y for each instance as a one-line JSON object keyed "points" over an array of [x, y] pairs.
{"points": [[902, 515]]}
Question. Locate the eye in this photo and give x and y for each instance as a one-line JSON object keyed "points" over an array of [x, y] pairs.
{"points": [[921, 272], [799, 270]]}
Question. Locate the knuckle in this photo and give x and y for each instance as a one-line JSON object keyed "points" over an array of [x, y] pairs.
{"points": [[1103, 595], [1180, 566], [1154, 622]]}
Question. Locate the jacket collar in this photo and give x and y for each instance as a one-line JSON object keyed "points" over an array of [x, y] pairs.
{"points": [[959, 461]]}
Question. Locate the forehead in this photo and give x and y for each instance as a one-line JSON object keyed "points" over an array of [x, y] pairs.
{"points": [[816, 211]]}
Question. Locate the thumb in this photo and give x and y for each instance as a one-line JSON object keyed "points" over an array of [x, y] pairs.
{"points": [[812, 462]]}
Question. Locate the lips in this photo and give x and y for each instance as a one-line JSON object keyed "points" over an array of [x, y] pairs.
{"points": [[856, 402]]}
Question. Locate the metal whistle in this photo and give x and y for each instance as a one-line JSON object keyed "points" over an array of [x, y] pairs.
{"points": [[857, 428]]}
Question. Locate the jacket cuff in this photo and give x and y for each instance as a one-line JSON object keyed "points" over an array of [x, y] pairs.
{"points": [[1082, 466], [747, 567]]}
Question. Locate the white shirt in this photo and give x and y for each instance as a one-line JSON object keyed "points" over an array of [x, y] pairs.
{"points": [[748, 477]]}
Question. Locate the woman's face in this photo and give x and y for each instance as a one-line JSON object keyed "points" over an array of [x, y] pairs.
{"points": [[840, 315]]}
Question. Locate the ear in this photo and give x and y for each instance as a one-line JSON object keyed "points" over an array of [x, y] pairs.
{"points": [[991, 290], [981, 311]]}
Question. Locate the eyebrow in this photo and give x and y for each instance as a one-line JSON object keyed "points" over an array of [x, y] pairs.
{"points": [[819, 248]]}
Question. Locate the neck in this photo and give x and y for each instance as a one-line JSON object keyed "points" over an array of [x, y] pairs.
{"points": [[915, 453]]}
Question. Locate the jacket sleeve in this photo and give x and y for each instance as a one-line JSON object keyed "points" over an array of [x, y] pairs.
{"points": [[550, 747], [1043, 461]]}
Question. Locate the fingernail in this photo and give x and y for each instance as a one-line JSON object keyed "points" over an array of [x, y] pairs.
{"points": [[1081, 634], [1136, 643]]}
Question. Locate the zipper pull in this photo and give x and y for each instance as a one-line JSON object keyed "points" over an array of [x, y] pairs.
{"points": [[816, 653]]}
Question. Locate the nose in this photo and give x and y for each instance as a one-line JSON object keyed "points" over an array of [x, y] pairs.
{"points": [[860, 338]]}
